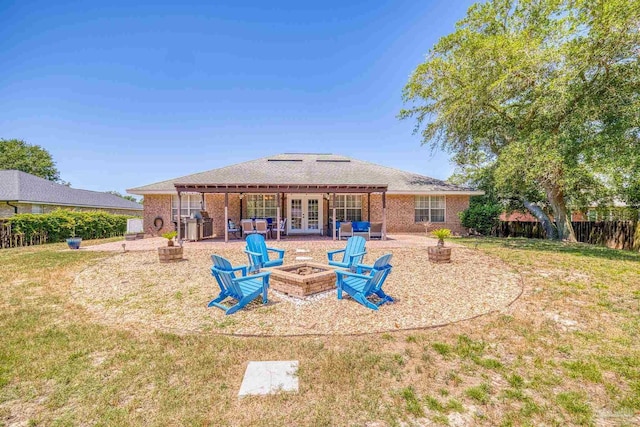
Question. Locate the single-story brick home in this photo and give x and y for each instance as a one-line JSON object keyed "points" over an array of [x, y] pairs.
{"points": [[309, 191], [21, 192]]}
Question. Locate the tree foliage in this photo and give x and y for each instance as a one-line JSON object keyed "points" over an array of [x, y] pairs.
{"points": [[482, 215], [543, 93], [126, 197], [33, 159]]}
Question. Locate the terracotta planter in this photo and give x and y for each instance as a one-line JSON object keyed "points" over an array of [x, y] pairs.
{"points": [[129, 237], [439, 254], [140, 236], [170, 253]]}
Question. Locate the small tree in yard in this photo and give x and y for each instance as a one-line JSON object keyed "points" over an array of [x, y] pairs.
{"points": [[482, 215], [544, 95]]}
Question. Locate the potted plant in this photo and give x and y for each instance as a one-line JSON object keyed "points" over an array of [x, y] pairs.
{"points": [[74, 242], [170, 236], [439, 253], [170, 253]]}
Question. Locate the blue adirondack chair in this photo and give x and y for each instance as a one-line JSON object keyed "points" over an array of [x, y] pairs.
{"points": [[258, 254], [362, 286], [353, 253], [243, 289]]}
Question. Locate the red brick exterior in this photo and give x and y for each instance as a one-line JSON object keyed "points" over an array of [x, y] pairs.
{"points": [[400, 212], [157, 205]]}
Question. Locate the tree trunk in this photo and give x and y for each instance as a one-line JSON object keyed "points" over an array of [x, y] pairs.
{"points": [[561, 216], [542, 217]]}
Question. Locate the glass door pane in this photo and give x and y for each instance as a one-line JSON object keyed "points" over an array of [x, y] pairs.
{"points": [[313, 222], [296, 214]]}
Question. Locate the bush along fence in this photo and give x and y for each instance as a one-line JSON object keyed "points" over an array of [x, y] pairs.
{"points": [[613, 234], [35, 229]]}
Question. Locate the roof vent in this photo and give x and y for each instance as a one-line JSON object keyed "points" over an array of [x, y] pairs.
{"points": [[284, 160], [333, 160]]}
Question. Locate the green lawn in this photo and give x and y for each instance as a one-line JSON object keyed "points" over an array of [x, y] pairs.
{"points": [[567, 352]]}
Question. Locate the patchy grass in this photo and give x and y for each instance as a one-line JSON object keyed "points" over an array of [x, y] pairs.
{"points": [[480, 394], [566, 353]]}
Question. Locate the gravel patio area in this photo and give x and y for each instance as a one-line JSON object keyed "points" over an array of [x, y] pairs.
{"points": [[133, 290]]}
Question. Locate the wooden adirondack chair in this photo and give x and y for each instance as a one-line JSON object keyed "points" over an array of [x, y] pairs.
{"points": [[243, 289], [353, 253], [258, 254], [361, 286]]}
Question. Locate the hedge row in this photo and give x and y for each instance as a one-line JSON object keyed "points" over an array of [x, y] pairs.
{"points": [[62, 224]]}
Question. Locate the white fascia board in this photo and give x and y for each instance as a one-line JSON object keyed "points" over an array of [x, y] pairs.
{"points": [[438, 193]]}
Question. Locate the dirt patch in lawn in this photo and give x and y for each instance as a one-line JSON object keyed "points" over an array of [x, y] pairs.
{"points": [[133, 290]]}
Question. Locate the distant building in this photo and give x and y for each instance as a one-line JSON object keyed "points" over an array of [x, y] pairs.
{"points": [[21, 192]]}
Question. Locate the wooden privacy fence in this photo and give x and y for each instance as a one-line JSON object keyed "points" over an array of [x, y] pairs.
{"points": [[10, 239], [613, 234]]}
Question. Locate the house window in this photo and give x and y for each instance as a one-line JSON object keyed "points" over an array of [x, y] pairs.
{"points": [[37, 209], [348, 207], [190, 203], [262, 206], [430, 208]]}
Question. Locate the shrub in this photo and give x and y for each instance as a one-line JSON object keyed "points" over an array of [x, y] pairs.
{"points": [[170, 235], [62, 224], [482, 215]]}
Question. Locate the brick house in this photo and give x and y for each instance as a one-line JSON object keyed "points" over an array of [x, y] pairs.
{"points": [[306, 190], [21, 192]]}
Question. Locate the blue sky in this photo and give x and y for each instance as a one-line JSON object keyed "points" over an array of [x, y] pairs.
{"points": [[128, 93]]}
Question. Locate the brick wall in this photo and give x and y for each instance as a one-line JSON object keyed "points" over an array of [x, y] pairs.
{"points": [[400, 212], [214, 205], [157, 205]]}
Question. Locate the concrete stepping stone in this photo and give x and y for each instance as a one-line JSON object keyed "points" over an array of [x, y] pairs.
{"points": [[262, 378]]}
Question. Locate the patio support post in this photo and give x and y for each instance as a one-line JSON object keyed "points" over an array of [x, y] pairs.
{"points": [[179, 216], [384, 215], [334, 216], [226, 217], [369, 207], [278, 216]]}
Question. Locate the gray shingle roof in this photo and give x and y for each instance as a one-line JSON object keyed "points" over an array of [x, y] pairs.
{"points": [[20, 186], [310, 169]]}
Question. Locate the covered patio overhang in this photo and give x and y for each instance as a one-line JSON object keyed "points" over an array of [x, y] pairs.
{"points": [[278, 189]]}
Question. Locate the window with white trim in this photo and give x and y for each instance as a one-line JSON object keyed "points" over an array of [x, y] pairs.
{"points": [[430, 208], [262, 206], [37, 209], [190, 203], [348, 207]]}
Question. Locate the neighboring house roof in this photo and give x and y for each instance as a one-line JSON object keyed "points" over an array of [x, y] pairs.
{"points": [[18, 186], [311, 169]]}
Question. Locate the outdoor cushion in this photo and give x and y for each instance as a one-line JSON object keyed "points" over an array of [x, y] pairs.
{"points": [[360, 226]]}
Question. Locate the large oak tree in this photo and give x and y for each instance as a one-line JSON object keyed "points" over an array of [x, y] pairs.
{"points": [[33, 159], [543, 94]]}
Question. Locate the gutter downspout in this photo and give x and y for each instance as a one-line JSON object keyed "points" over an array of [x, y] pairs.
{"points": [[15, 208]]}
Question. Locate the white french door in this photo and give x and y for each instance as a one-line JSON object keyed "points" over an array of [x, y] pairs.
{"points": [[304, 214]]}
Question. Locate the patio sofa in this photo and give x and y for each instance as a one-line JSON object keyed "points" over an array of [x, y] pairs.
{"points": [[359, 227]]}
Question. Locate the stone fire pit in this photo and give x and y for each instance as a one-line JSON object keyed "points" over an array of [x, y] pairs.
{"points": [[303, 279]]}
